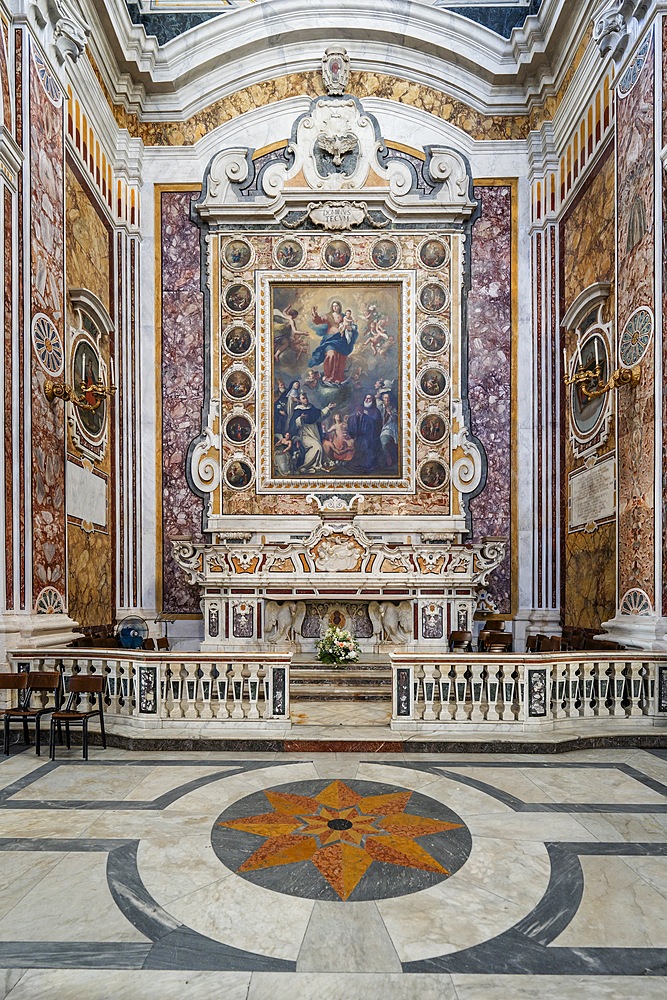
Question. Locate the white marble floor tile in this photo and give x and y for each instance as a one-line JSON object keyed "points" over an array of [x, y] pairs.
{"points": [[72, 902], [515, 781], [336, 986], [618, 909], [93, 984], [616, 827], [91, 783], [8, 980], [531, 826], [516, 871], [559, 987], [448, 917], [171, 867], [246, 916], [347, 939], [652, 870], [593, 785], [164, 779], [21, 872]]}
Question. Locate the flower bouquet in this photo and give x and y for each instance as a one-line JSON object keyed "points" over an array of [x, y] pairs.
{"points": [[337, 646]]}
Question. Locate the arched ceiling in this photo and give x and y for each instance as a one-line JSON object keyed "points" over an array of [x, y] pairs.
{"points": [[497, 57]]}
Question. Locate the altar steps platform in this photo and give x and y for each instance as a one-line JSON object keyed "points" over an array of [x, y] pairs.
{"points": [[312, 681]]}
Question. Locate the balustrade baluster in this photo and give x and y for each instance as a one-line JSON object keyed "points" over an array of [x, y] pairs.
{"points": [[635, 685], [602, 687], [191, 686], [477, 689], [176, 687], [559, 689], [205, 689], [222, 686], [460, 691], [574, 689], [430, 682], [253, 690], [445, 692], [589, 671], [618, 690], [508, 684], [237, 690], [492, 685]]}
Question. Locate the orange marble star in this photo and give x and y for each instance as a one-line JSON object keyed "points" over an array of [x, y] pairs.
{"points": [[341, 833]]}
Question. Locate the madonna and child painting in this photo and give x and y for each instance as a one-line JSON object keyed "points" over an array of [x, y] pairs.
{"points": [[337, 380]]}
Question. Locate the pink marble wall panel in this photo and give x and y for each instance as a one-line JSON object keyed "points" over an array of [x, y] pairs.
{"points": [[47, 296], [636, 409], [9, 430], [182, 388], [490, 362]]}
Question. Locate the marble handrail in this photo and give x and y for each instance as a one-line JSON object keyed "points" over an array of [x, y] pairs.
{"points": [[163, 687], [527, 690]]}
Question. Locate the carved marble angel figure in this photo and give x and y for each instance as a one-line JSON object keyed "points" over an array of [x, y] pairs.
{"points": [[281, 621], [394, 620]]}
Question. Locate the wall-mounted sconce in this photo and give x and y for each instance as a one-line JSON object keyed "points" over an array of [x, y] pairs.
{"points": [[589, 378], [90, 396]]}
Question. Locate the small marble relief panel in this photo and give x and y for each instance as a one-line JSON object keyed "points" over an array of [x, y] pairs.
{"points": [[636, 415], [587, 246], [47, 297], [490, 373], [182, 373]]}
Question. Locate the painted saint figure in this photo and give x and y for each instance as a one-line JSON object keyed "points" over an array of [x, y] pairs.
{"points": [[365, 429], [306, 425], [338, 335]]}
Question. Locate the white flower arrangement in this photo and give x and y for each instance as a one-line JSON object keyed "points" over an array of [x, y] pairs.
{"points": [[337, 646]]}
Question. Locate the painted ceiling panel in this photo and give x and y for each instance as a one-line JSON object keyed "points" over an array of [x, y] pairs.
{"points": [[166, 19]]}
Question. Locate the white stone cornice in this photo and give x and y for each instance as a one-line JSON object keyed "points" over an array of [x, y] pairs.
{"points": [[613, 24], [68, 30], [542, 155], [428, 45]]}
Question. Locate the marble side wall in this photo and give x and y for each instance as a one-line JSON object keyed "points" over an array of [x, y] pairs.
{"points": [[47, 261], [90, 550], [182, 350], [587, 252], [664, 325], [636, 406], [490, 373]]}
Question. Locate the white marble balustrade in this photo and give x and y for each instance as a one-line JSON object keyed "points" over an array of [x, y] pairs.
{"points": [[528, 691], [163, 688]]}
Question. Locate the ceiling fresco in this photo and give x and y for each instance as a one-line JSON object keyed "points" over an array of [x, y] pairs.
{"points": [[166, 19]]}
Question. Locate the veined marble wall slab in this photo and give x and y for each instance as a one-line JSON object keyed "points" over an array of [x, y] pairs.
{"points": [[664, 326], [490, 323], [47, 296], [90, 550], [636, 407], [182, 352], [587, 253]]}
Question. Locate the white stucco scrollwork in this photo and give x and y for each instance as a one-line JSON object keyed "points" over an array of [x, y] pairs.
{"points": [[205, 463], [467, 468]]}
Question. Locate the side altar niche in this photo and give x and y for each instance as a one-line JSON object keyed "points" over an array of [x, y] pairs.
{"points": [[336, 460]]}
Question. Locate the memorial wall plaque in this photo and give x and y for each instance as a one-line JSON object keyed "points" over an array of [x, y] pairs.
{"points": [[592, 495]]}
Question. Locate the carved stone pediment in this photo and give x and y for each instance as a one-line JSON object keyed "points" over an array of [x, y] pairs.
{"points": [[337, 548]]}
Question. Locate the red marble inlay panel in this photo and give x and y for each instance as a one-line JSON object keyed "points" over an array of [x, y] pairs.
{"points": [[182, 388], [47, 296], [636, 410], [490, 363]]}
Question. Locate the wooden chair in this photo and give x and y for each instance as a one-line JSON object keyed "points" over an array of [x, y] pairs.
{"points": [[40, 682], [495, 625], [12, 682], [498, 642], [71, 715], [531, 643], [149, 644], [162, 643], [459, 642], [552, 644]]}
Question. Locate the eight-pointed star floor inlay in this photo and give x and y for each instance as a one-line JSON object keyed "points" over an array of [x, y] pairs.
{"points": [[341, 840]]}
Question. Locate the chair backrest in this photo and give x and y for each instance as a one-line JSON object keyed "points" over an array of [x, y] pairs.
{"points": [[43, 680], [495, 625], [498, 642], [149, 643], [86, 684], [531, 643], [162, 643], [13, 682], [460, 640]]}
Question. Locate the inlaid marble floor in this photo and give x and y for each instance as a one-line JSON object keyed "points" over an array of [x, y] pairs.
{"points": [[337, 876]]}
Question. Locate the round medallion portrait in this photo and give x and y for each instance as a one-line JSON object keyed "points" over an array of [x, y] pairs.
{"points": [[238, 429], [433, 382], [585, 412], [237, 254], [433, 253], [337, 254], [385, 253], [238, 383], [238, 297], [238, 340], [433, 297], [636, 338], [86, 374], [434, 338], [341, 840], [433, 428], [289, 254], [433, 475], [238, 474]]}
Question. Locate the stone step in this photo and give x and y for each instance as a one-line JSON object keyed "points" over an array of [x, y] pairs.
{"points": [[365, 680], [338, 677], [315, 692]]}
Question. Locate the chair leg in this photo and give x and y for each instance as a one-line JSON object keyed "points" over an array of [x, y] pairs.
{"points": [[38, 738], [52, 740], [104, 735], [6, 736], [26, 733], [67, 734], [84, 739]]}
